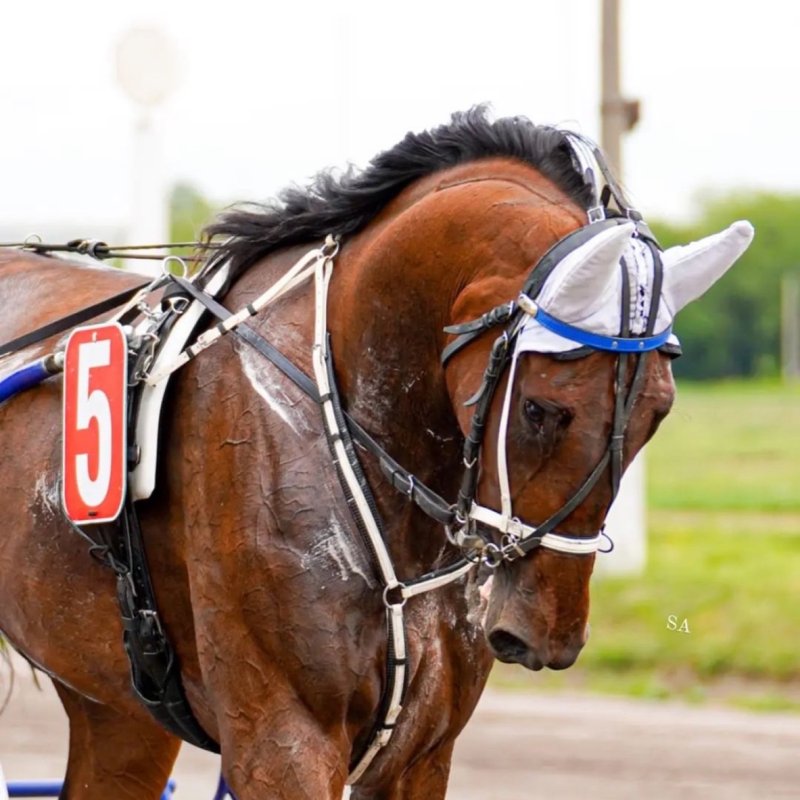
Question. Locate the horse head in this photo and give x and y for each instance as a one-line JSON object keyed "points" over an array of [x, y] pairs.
{"points": [[577, 381], [558, 439]]}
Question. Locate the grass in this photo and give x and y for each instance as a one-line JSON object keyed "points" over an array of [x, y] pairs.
{"points": [[731, 445], [724, 554]]}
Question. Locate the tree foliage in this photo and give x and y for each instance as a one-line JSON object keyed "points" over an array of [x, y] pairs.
{"points": [[734, 329], [189, 211]]}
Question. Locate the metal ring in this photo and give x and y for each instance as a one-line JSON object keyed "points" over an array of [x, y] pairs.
{"points": [[387, 589], [492, 556], [165, 268], [449, 535], [331, 247], [30, 237]]}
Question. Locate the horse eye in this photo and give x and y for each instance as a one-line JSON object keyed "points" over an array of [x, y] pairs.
{"points": [[534, 413]]}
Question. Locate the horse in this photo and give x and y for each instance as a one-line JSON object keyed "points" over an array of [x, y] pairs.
{"points": [[272, 601]]}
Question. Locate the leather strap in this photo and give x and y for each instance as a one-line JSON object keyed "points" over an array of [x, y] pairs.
{"points": [[428, 501], [70, 321], [155, 672]]}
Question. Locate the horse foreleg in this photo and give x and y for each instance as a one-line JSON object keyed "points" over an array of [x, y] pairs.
{"points": [[426, 778], [114, 754], [285, 756]]}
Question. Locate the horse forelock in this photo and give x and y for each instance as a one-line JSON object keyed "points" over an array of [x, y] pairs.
{"points": [[344, 203]]}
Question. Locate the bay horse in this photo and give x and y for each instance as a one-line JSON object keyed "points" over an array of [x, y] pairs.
{"points": [[267, 592]]}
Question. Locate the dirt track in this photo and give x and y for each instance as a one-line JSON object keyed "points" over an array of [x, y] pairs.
{"points": [[520, 746]]}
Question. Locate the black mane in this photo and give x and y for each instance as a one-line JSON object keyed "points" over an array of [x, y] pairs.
{"points": [[345, 204]]}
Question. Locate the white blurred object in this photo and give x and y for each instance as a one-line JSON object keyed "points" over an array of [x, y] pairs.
{"points": [[625, 525], [147, 72], [3, 792], [147, 66]]}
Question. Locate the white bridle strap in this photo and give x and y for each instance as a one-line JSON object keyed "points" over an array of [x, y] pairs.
{"points": [[505, 522], [589, 169], [502, 458], [515, 528]]}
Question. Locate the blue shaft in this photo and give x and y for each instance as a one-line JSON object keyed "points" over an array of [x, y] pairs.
{"points": [[223, 791], [34, 788], [53, 789], [24, 378]]}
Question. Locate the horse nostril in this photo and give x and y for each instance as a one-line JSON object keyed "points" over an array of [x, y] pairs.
{"points": [[508, 648]]}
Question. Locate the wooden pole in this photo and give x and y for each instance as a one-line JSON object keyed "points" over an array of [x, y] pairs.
{"points": [[611, 123], [617, 114], [626, 522]]}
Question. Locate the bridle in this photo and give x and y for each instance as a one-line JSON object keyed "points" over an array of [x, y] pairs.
{"points": [[518, 539], [472, 523]]}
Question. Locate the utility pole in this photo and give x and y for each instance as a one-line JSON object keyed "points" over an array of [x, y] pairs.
{"points": [[626, 522], [618, 115]]}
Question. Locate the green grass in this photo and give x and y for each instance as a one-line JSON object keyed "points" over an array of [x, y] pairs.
{"points": [[739, 592], [742, 604], [724, 554], [732, 445]]}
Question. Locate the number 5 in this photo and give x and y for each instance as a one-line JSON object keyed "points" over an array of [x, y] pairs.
{"points": [[89, 406], [95, 423]]}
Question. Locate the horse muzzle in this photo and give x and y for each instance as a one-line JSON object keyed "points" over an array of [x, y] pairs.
{"points": [[511, 646]]}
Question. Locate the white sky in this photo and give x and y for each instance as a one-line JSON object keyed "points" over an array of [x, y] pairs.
{"points": [[271, 92]]}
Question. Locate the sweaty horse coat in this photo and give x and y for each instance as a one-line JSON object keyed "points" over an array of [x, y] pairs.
{"points": [[262, 582]]}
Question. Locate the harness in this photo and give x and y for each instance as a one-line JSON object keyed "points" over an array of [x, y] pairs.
{"points": [[158, 350]]}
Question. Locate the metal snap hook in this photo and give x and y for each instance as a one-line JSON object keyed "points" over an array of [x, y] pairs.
{"points": [[610, 541], [509, 545]]}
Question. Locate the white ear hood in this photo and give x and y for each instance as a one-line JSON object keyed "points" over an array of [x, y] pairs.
{"points": [[585, 289], [578, 284], [692, 269]]}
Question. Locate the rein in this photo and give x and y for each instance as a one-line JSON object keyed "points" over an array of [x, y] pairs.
{"points": [[101, 251]]}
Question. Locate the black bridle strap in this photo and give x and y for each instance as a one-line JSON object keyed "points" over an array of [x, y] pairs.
{"points": [[401, 479], [620, 417], [551, 523], [70, 321], [468, 332], [622, 408]]}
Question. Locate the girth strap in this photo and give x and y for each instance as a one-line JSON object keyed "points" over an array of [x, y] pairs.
{"points": [[155, 672]]}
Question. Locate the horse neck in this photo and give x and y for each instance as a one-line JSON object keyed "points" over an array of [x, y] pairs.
{"points": [[449, 248], [386, 313]]}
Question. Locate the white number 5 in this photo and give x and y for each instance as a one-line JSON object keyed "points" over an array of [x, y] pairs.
{"points": [[89, 406]]}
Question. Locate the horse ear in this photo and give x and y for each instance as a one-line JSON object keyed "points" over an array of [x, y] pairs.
{"points": [[579, 282], [692, 269]]}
